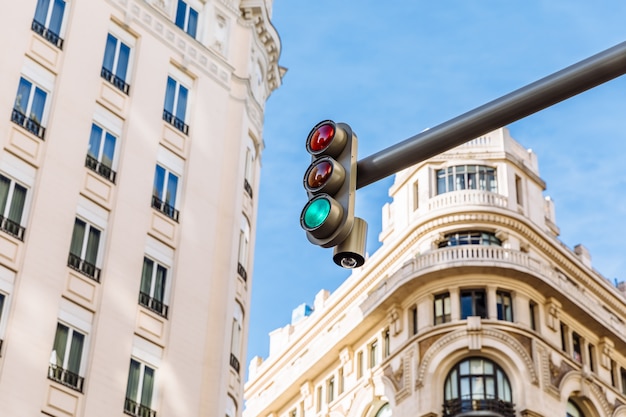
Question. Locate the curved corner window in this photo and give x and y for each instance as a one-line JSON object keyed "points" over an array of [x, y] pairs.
{"points": [[573, 410], [477, 384], [384, 411], [466, 177], [470, 238]]}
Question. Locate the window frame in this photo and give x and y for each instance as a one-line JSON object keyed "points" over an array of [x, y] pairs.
{"points": [[188, 12], [504, 312], [446, 308], [474, 299], [79, 261], [43, 28], [461, 177], [116, 75], [12, 226], [148, 300], [61, 373], [137, 406], [172, 112]]}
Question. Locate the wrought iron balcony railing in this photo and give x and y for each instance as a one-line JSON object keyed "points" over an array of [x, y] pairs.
{"points": [[242, 271], [65, 377], [12, 228], [99, 168], [176, 122], [165, 208], [88, 269], [153, 304], [119, 83], [466, 407], [133, 408], [30, 124], [247, 187], [47, 34], [234, 362]]}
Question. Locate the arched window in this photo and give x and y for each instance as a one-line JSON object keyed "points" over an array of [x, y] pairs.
{"points": [[477, 384], [384, 411], [573, 410]]}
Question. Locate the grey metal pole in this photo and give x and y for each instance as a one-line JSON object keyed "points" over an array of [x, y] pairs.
{"points": [[527, 100]]}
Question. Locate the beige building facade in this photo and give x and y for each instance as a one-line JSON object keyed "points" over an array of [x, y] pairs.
{"points": [[129, 165], [472, 306]]}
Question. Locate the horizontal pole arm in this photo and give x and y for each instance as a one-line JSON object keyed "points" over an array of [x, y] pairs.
{"points": [[525, 101]]}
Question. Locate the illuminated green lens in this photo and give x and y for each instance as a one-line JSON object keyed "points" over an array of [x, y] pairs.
{"points": [[316, 213]]}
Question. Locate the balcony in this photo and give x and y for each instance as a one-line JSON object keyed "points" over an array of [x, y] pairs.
{"points": [[99, 168], [30, 124], [467, 198], [153, 304], [138, 410], [459, 407], [176, 122], [119, 83], [12, 228], [234, 363], [65, 377], [165, 208], [47, 34], [242, 272], [88, 269]]}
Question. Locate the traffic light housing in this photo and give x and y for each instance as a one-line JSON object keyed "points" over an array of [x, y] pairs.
{"points": [[330, 183]]}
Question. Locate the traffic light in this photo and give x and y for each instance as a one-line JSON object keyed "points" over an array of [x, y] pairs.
{"points": [[330, 182]]}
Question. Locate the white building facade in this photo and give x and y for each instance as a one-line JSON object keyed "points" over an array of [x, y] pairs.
{"points": [[129, 164], [471, 307]]}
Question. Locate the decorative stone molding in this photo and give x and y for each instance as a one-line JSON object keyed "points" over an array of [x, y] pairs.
{"points": [[394, 320], [553, 308], [606, 347], [306, 391], [493, 334], [345, 357]]}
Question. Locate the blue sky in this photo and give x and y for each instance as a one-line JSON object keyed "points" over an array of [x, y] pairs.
{"points": [[392, 71]]}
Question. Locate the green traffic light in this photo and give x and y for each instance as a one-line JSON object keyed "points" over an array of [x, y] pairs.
{"points": [[316, 213]]}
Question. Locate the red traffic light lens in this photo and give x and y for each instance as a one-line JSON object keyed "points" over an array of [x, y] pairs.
{"points": [[321, 137], [319, 174]]}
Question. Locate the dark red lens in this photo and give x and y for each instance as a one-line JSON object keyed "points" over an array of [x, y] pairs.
{"points": [[322, 137], [319, 174]]}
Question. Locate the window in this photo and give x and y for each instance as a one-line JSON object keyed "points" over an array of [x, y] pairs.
{"points": [[373, 351], [152, 292], [330, 389], [164, 192], [577, 347], [29, 107], [139, 390], [613, 376], [477, 384], [187, 18], [519, 192], [231, 407], [101, 152], [235, 341], [622, 373], [442, 308], [504, 305], [416, 196], [466, 177], [470, 238], [340, 382], [563, 329], [84, 249], [473, 303], [66, 357], [591, 349], [384, 411], [573, 410], [175, 107], [413, 320], [532, 307], [244, 241], [387, 339], [249, 172], [48, 20], [115, 63], [12, 202]]}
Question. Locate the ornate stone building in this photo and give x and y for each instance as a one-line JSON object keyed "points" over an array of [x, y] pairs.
{"points": [[129, 161], [472, 306]]}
